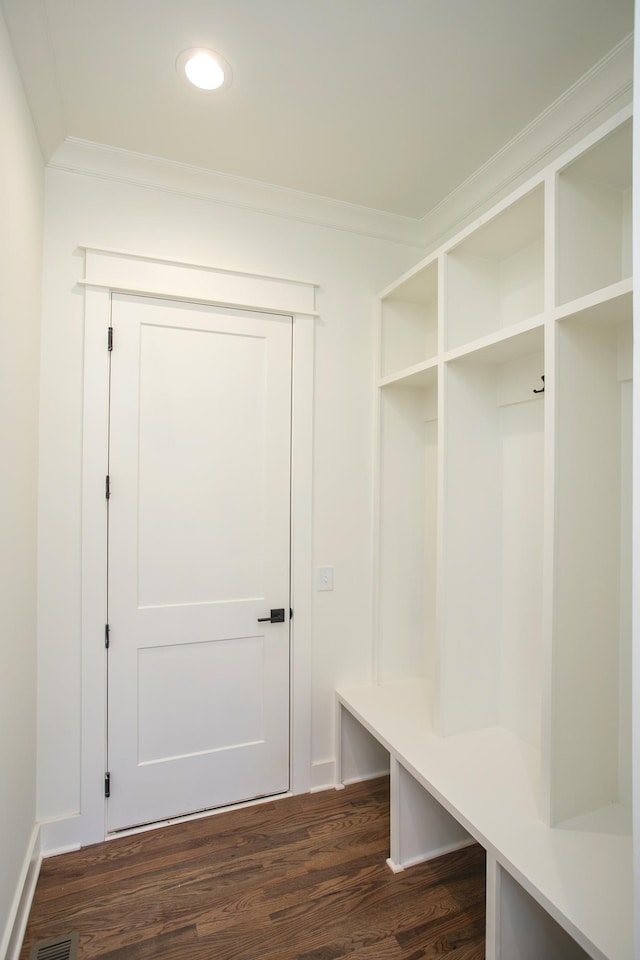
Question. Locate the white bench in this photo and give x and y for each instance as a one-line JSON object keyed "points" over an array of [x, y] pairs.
{"points": [[562, 893]]}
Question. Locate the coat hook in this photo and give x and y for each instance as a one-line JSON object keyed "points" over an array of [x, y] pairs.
{"points": [[542, 388]]}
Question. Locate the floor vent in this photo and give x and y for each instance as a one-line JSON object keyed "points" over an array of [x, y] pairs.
{"points": [[62, 948]]}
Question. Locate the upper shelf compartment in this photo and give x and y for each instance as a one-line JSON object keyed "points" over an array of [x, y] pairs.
{"points": [[495, 276], [409, 322], [594, 218]]}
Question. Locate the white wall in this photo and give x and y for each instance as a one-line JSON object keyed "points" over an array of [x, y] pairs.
{"points": [[349, 269], [21, 194]]}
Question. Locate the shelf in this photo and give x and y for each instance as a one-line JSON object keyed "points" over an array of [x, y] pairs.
{"points": [[420, 375], [594, 229], [409, 321], [486, 780], [521, 340], [612, 305], [495, 277]]}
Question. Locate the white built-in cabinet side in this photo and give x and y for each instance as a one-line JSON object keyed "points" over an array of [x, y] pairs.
{"points": [[502, 619], [635, 508], [114, 271]]}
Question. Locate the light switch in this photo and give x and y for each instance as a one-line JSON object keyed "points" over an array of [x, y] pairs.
{"points": [[324, 578]]}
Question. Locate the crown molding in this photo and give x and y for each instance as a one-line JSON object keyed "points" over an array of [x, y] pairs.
{"points": [[595, 98], [124, 166]]}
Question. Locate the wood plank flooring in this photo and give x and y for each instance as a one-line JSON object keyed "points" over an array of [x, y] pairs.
{"points": [[303, 878]]}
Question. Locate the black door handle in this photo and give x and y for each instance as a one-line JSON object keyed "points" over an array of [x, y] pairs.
{"points": [[277, 616]]}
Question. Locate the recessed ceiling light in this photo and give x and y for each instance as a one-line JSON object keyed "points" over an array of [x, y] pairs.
{"points": [[204, 69]]}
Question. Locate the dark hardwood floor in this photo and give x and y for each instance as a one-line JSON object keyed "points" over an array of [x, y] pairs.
{"points": [[302, 878]]}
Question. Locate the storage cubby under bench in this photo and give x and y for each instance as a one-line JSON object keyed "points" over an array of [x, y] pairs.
{"points": [[551, 892]]}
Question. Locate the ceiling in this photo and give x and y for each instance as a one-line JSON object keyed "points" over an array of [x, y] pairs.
{"points": [[388, 104]]}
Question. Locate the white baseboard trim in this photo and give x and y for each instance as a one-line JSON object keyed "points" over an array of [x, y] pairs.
{"points": [[60, 836], [362, 778], [323, 776], [11, 943], [431, 855]]}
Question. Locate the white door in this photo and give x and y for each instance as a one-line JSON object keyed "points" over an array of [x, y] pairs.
{"points": [[199, 551]]}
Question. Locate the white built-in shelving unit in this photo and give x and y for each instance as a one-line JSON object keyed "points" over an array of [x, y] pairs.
{"points": [[502, 694]]}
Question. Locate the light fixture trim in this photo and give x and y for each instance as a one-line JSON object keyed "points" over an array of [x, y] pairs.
{"points": [[204, 69]]}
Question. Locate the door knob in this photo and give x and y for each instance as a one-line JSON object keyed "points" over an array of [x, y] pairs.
{"points": [[277, 616]]}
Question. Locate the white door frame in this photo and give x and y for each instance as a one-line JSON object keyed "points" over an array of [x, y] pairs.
{"points": [[112, 271]]}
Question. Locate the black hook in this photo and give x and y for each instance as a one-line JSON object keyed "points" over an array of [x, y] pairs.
{"points": [[542, 388]]}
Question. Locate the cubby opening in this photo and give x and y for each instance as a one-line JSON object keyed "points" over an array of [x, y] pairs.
{"points": [[595, 218], [409, 322], [524, 929], [422, 828], [362, 757], [407, 539], [495, 277], [491, 651], [591, 668]]}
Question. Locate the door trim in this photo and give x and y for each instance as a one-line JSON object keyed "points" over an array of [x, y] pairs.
{"points": [[105, 274]]}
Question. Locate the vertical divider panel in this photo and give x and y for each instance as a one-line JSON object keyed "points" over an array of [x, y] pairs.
{"points": [[437, 704], [591, 650], [551, 254], [625, 698], [394, 861], [376, 558], [492, 908]]}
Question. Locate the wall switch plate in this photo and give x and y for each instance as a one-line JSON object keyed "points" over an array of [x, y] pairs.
{"points": [[324, 578]]}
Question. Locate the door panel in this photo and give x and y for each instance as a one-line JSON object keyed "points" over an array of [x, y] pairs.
{"points": [[215, 717], [199, 533], [203, 431]]}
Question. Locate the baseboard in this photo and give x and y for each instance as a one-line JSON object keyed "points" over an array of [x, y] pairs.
{"points": [[431, 855], [363, 777], [13, 936], [60, 836], [323, 776]]}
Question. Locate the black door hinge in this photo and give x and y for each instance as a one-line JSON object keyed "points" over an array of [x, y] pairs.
{"points": [[110, 339], [107, 631], [290, 613], [107, 486], [107, 785]]}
